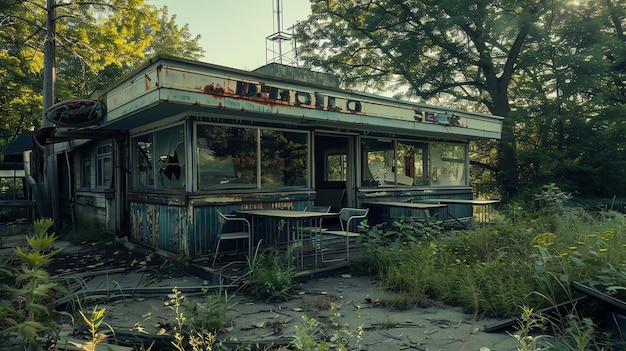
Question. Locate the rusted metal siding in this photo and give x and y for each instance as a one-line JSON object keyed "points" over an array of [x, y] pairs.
{"points": [[205, 225], [160, 226], [192, 229]]}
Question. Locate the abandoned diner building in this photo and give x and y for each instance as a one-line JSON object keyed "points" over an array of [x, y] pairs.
{"points": [[181, 140]]}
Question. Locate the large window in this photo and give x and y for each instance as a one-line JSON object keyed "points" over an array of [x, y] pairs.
{"points": [[406, 163], [411, 164], [104, 169], [169, 147], [143, 174], [378, 162], [284, 158], [448, 165], [239, 157], [160, 160], [226, 157]]}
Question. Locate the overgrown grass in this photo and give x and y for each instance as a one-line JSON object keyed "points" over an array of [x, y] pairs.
{"points": [[27, 291], [529, 260], [270, 276], [529, 257], [90, 231]]}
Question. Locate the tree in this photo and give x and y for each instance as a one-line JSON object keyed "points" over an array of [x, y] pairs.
{"points": [[98, 42], [508, 58], [150, 32], [20, 64], [570, 101], [466, 50], [172, 39], [95, 36]]}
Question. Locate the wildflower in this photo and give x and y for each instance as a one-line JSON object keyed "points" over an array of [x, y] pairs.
{"points": [[543, 240]]}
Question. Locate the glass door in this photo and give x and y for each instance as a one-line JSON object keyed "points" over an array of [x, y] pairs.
{"points": [[334, 170]]}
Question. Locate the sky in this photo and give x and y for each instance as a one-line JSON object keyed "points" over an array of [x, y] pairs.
{"points": [[233, 32]]}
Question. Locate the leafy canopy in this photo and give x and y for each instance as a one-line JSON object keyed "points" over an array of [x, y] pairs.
{"points": [[98, 42]]}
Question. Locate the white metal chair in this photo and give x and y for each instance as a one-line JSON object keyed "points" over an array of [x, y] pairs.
{"points": [[313, 233], [243, 231], [349, 219]]}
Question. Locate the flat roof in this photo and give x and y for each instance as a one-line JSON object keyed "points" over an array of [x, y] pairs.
{"points": [[166, 86]]}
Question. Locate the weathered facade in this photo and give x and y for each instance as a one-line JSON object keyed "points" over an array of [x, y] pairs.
{"points": [[181, 139]]}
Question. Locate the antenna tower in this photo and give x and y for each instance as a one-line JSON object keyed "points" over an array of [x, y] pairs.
{"points": [[275, 51]]}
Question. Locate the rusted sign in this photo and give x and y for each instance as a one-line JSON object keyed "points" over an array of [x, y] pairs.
{"points": [[76, 113]]}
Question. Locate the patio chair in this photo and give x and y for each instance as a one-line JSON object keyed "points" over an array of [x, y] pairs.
{"points": [[349, 218], [313, 233], [242, 231]]}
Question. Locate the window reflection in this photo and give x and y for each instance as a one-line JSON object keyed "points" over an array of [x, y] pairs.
{"points": [[448, 164], [104, 167], [85, 170], [283, 158], [336, 166], [411, 164], [143, 176], [378, 162], [170, 148], [226, 157]]}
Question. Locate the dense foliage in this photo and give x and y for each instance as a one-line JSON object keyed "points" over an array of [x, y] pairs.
{"points": [[97, 43], [555, 70], [530, 256]]}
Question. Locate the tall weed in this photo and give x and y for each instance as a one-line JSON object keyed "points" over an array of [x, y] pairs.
{"points": [[270, 276], [31, 317], [510, 263]]}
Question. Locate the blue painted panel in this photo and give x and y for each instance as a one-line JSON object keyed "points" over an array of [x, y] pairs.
{"points": [[160, 226], [172, 233], [205, 225]]}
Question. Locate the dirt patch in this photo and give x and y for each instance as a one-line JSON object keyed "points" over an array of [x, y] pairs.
{"points": [[346, 310], [345, 307]]}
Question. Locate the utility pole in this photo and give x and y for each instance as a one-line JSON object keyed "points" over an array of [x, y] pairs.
{"points": [[50, 176]]}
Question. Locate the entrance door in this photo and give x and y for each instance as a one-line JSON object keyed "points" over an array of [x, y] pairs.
{"points": [[335, 171]]}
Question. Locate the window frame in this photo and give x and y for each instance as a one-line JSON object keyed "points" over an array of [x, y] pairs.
{"points": [[104, 153], [258, 183], [85, 169], [391, 179]]}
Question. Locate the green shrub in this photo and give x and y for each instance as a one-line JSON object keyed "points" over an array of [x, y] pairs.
{"points": [[212, 314], [31, 318], [529, 259], [270, 276]]}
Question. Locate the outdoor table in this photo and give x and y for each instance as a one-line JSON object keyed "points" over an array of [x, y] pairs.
{"points": [[483, 207], [380, 211], [287, 219]]}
